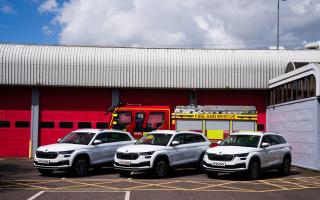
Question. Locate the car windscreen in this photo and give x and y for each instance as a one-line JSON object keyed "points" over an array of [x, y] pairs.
{"points": [[155, 139], [78, 138], [242, 140]]}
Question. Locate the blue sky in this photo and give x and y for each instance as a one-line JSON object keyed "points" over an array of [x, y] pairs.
{"points": [[160, 23], [24, 23]]}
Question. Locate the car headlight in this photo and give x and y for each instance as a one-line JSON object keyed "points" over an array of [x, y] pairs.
{"points": [[242, 155], [206, 153], [146, 153], [66, 152]]}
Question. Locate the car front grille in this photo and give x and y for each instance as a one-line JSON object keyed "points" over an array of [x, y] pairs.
{"points": [[217, 157], [128, 156], [47, 155]]}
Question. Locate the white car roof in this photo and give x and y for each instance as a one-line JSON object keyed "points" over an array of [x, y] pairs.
{"points": [[93, 130], [254, 133], [173, 132]]}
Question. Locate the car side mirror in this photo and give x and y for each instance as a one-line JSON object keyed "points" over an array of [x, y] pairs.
{"points": [[58, 140], [175, 143], [265, 144], [219, 142], [97, 142]]}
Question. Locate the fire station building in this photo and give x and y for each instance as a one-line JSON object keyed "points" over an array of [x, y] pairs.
{"points": [[48, 91]]}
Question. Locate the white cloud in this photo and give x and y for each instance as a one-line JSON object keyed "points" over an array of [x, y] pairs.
{"points": [[7, 9], [47, 30], [185, 23], [48, 6]]}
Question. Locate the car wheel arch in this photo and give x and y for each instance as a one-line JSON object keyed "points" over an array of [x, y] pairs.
{"points": [[161, 156], [287, 155], [254, 158], [83, 155]]}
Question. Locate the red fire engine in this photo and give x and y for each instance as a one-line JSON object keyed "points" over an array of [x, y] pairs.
{"points": [[216, 122]]}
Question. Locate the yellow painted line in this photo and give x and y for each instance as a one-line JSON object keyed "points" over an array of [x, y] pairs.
{"points": [[278, 186], [309, 182], [87, 184], [300, 186], [29, 185], [155, 184], [208, 186]]}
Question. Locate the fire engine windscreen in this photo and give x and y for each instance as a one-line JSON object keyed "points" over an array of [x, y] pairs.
{"points": [[155, 139]]}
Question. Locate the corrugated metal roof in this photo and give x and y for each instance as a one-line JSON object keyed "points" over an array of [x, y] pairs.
{"points": [[41, 65]]}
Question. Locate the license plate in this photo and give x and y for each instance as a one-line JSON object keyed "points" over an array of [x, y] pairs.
{"points": [[44, 161], [123, 162], [219, 164]]}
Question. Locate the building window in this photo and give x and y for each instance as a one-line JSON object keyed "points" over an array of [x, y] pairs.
{"points": [[4, 124], [22, 124], [312, 86], [66, 125], [46, 124], [294, 90], [84, 124], [299, 89], [102, 125]]}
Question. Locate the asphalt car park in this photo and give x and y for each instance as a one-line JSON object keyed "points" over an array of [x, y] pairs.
{"points": [[20, 180]]}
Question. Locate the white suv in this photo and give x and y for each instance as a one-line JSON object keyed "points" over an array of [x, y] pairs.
{"points": [[81, 149], [250, 152], [160, 150]]}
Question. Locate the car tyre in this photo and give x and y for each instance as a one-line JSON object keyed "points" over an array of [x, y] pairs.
{"points": [[45, 172], [286, 166], [200, 164], [212, 174], [80, 167], [160, 168], [254, 170], [124, 173]]}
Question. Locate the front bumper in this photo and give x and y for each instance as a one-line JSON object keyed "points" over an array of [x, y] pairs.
{"points": [[226, 168], [54, 166], [58, 163], [144, 166], [235, 165], [140, 164]]}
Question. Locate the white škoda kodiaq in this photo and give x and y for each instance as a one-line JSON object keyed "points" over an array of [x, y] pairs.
{"points": [[81, 149], [250, 152], [160, 150]]}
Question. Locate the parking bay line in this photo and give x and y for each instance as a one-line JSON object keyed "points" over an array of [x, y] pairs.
{"points": [[154, 184], [126, 196], [30, 185], [81, 184], [36, 195]]}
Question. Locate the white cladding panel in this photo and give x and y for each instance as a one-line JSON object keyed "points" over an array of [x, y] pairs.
{"points": [[41, 65], [299, 123]]}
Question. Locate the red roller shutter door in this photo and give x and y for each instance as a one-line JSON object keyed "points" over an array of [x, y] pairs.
{"points": [[63, 109], [15, 116]]}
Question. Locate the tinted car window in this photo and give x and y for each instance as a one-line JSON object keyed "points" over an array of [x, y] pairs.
{"points": [[103, 137], [271, 140], [199, 138], [276, 139], [117, 137], [155, 139], [78, 138], [281, 139], [179, 138], [241, 140]]}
